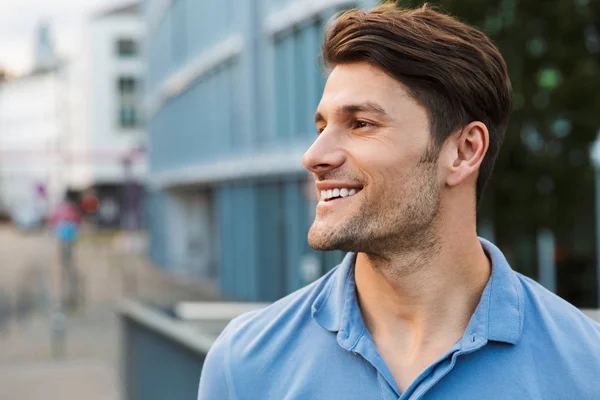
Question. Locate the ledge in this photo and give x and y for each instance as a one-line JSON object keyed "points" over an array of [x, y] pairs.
{"points": [[284, 161], [221, 53], [176, 331], [156, 12]]}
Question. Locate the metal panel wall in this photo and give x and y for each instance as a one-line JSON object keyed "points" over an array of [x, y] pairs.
{"points": [[196, 126], [296, 227], [156, 368], [271, 235], [262, 99], [299, 79], [238, 274], [155, 217], [207, 22]]}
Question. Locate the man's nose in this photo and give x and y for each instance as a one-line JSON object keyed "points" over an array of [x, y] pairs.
{"points": [[324, 155]]}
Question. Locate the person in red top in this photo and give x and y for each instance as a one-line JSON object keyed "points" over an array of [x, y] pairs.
{"points": [[66, 211], [65, 221]]}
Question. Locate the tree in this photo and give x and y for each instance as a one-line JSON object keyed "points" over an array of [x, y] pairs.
{"points": [[543, 177]]}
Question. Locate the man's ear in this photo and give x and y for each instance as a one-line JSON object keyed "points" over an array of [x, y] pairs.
{"points": [[465, 151]]}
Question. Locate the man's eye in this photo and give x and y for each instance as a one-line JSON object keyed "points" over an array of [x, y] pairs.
{"points": [[362, 124], [320, 130]]}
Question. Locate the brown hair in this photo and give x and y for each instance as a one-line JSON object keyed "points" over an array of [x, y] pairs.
{"points": [[452, 69]]}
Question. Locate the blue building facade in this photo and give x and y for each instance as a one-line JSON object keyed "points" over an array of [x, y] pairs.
{"points": [[232, 86]]}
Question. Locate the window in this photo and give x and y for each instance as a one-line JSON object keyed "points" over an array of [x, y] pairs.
{"points": [[127, 85], [128, 102], [127, 48]]}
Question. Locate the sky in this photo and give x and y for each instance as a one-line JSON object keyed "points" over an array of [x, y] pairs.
{"points": [[19, 18]]}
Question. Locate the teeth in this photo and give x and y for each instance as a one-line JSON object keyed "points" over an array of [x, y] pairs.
{"points": [[343, 192]]}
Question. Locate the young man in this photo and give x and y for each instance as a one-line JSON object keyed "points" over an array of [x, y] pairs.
{"points": [[410, 124]]}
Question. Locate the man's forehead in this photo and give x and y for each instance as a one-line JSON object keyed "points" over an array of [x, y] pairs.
{"points": [[361, 82]]}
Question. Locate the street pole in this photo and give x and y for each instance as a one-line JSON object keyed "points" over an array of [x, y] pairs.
{"points": [[128, 198], [546, 261], [597, 201], [129, 268]]}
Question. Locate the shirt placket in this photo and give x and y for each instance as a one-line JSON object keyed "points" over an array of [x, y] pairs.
{"points": [[365, 348], [433, 374]]}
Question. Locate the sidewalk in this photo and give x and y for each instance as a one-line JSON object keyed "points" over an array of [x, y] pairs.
{"points": [[89, 368]]}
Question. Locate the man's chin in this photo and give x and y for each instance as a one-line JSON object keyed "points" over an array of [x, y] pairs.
{"points": [[319, 243], [327, 238], [321, 239]]}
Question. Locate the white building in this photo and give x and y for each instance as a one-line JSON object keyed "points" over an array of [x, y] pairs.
{"points": [[77, 125], [112, 69], [32, 169]]}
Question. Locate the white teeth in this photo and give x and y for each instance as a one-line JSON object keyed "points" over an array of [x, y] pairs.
{"points": [[331, 193]]}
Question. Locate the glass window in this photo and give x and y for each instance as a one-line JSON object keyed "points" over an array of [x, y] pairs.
{"points": [[127, 87], [127, 48], [284, 52], [128, 117]]}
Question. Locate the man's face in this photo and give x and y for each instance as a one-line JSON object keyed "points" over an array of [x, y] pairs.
{"points": [[374, 147]]}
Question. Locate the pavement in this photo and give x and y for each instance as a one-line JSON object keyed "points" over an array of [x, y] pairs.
{"points": [[45, 357]]}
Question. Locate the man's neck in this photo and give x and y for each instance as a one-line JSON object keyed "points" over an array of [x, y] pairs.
{"points": [[422, 297]]}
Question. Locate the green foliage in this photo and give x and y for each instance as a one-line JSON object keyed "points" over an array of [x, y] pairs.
{"points": [[543, 177]]}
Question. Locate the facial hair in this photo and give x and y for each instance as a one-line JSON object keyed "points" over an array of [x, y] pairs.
{"points": [[391, 221]]}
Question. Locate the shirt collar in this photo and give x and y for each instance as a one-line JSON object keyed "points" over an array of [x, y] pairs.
{"points": [[498, 316], [503, 315], [328, 306]]}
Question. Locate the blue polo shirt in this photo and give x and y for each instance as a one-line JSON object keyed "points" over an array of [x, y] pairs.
{"points": [[522, 342]]}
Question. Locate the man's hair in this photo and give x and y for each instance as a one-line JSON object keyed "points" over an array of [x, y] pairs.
{"points": [[450, 68]]}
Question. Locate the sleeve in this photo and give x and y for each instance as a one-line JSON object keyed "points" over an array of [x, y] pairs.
{"points": [[215, 379]]}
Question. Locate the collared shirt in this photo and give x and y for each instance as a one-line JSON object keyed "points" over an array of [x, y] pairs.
{"points": [[522, 342]]}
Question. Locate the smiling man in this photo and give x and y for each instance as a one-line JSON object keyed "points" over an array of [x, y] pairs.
{"points": [[409, 126]]}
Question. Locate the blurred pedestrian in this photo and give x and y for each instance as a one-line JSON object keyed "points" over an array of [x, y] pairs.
{"points": [[65, 221], [410, 123]]}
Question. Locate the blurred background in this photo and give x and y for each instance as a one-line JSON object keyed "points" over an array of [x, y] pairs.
{"points": [[151, 186]]}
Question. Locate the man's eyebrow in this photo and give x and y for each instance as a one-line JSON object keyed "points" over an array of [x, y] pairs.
{"points": [[361, 107], [353, 109]]}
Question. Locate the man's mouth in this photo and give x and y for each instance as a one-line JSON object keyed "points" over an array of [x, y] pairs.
{"points": [[337, 193]]}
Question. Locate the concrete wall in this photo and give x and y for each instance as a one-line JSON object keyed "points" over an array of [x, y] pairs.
{"points": [[31, 129]]}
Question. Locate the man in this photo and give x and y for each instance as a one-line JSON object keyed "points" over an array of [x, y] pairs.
{"points": [[410, 123]]}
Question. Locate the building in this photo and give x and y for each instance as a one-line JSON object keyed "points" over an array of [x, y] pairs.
{"points": [[110, 159], [231, 94], [76, 124], [32, 116]]}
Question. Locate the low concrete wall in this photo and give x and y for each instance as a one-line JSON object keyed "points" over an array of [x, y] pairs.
{"points": [[592, 313], [162, 355]]}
